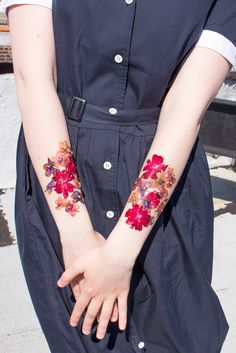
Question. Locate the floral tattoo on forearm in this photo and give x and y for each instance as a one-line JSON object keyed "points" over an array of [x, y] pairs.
{"points": [[150, 193], [64, 179]]}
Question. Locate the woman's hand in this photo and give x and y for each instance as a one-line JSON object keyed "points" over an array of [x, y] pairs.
{"points": [[106, 278], [73, 248]]}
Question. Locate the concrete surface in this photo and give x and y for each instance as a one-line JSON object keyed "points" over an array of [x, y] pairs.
{"points": [[224, 266], [224, 279], [10, 119], [19, 327]]}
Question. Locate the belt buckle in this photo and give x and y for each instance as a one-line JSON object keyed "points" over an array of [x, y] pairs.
{"points": [[82, 104]]}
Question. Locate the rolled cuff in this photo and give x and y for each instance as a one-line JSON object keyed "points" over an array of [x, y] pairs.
{"points": [[6, 3], [219, 43]]}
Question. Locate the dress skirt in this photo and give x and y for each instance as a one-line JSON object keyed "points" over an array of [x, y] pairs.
{"points": [[172, 307]]}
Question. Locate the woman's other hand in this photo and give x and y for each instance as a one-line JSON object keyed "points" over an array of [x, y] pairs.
{"points": [[72, 248], [106, 279]]}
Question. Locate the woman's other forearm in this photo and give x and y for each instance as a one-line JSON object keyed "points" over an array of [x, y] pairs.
{"points": [[44, 128], [185, 104], [43, 118]]}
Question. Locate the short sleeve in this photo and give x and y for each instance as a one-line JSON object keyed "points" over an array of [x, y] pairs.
{"points": [[219, 32], [6, 3]]}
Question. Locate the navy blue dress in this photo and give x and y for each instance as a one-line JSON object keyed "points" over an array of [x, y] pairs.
{"points": [[116, 60]]}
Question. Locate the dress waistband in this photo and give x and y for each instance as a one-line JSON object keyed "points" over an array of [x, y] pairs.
{"points": [[77, 108]]}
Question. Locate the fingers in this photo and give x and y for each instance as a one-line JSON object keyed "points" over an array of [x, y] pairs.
{"points": [[73, 271], [98, 315], [92, 311], [114, 316], [122, 309], [105, 314], [75, 288], [79, 307], [106, 311]]}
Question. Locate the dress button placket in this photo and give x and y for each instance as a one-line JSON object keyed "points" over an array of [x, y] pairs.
{"points": [[118, 58], [122, 58], [123, 62]]}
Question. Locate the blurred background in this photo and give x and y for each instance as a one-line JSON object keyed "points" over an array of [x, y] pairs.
{"points": [[19, 328]]}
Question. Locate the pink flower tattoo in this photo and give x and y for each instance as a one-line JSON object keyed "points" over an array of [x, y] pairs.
{"points": [[150, 193], [64, 179]]}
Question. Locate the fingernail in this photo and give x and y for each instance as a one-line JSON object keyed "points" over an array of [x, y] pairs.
{"points": [[73, 323], [122, 326], [99, 336], [86, 332], [59, 283]]}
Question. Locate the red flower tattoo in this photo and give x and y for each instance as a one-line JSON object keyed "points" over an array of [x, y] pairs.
{"points": [[137, 217], [153, 167], [64, 179], [150, 193], [153, 198]]}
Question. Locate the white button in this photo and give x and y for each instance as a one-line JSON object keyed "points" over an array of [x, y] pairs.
{"points": [[118, 58], [141, 345], [107, 165], [110, 214], [128, 1], [112, 110]]}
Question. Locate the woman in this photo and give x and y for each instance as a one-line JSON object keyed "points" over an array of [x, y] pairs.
{"points": [[114, 212]]}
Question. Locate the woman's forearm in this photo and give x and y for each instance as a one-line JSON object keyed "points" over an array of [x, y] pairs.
{"points": [[130, 233], [45, 128], [185, 104], [44, 123]]}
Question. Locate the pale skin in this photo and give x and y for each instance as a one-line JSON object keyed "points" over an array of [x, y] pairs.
{"points": [[100, 271]]}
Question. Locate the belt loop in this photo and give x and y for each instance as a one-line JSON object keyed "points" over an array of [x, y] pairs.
{"points": [[77, 108]]}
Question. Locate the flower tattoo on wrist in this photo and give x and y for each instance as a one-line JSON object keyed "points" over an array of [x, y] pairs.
{"points": [[150, 193], [64, 180]]}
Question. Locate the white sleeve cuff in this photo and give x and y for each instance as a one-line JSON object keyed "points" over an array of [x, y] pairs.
{"points": [[5, 3], [219, 43]]}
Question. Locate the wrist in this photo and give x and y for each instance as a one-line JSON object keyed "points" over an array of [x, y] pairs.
{"points": [[124, 242], [79, 231], [122, 247], [118, 256]]}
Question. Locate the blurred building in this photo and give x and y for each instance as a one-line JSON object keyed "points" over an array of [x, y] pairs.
{"points": [[5, 48]]}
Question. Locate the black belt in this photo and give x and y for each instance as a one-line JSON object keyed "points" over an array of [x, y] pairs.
{"points": [[76, 108]]}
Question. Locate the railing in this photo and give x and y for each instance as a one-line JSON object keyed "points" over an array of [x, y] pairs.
{"points": [[218, 128]]}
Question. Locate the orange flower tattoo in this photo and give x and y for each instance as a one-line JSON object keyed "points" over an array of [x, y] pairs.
{"points": [[64, 180], [150, 193]]}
